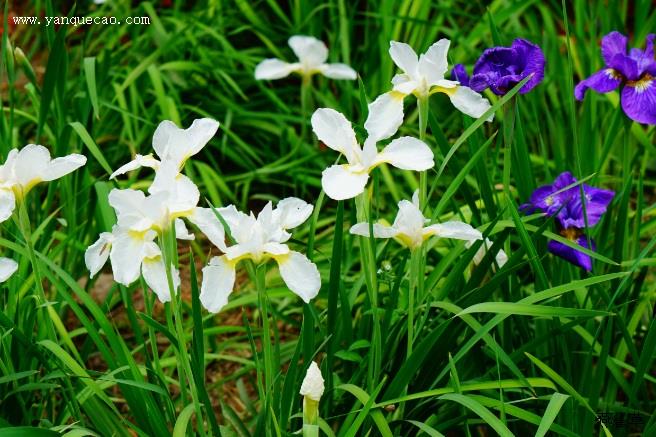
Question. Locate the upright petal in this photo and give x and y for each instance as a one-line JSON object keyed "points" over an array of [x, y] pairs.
{"points": [[182, 195], [97, 254], [380, 231], [7, 204], [454, 229], [271, 69], [385, 116], [208, 223], [407, 153], [218, 281], [404, 57], [138, 162], [154, 273], [338, 71], [292, 212], [603, 81], [433, 64], [639, 101], [309, 50], [7, 268], [335, 131], [470, 102], [340, 183], [173, 143], [181, 231], [300, 274], [30, 164], [613, 44]]}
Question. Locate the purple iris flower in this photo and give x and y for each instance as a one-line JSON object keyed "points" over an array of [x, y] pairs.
{"points": [[635, 69], [501, 68], [567, 205]]}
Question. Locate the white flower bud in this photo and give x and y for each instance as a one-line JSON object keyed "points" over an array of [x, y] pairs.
{"points": [[312, 386]]}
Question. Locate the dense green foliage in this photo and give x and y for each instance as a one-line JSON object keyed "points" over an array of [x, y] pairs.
{"points": [[538, 346]]}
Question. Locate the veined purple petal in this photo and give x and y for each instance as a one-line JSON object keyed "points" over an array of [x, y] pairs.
{"points": [[535, 61], [626, 66], [547, 198], [603, 81], [639, 100], [572, 255], [613, 44], [480, 82], [596, 204], [459, 73]]}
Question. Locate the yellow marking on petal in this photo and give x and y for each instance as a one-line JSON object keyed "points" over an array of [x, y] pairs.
{"points": [[613, 74], [441, 89], [571, 234], [397, 95], [641, 84], [549, 201]]}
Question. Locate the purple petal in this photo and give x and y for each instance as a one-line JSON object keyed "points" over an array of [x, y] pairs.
{"points": [[563, 180], [626, 66], [572, 255], [596, 204], [649, 46], [481, 81], [534, 62], [495, 59], [603, 81], [612, 44], [459, 73], [639, 100]]}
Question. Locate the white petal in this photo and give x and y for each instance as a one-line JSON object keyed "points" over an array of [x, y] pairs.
{"points": [[126, 256], [433, 64], [30, 164], [7, 204], [181, 231], [300, 274], [275, 249], [403, 84], [385, 116], [338, 71], [407, 153], [232, 216], [292, 212], [313, 384], [218, 281], [339, 183], [129, 205], [454, 229], [138, 162], [501, 258], [404, 57], [271, 69], [206, 220], [175, 144], [469, 102], [60, 167], [380, 231], [154, 273], [409, 220], [7, 268], [335, 131], [97, 254], [309, 50], [182, 194]]}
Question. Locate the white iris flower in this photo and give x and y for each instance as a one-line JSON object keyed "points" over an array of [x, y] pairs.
{"points": [[409, 227], [259, 239], [422, 76], [312, 55], [348, 180]]}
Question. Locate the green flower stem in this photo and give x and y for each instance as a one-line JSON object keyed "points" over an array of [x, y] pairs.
{"points": [[368, 257], [267, 351], [170, 255], [306, 103], [310, 417]]}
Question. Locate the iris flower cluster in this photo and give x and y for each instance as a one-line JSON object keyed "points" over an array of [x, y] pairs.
{"points": [[574, 212]]}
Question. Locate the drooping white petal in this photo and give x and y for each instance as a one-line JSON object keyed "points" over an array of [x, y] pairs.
{"points": [[385, 116], [138, 162], [338, 71], [300, 274], [97, 254], [60, 167], [380, 231], [501, 258], [404, 57], [292, 212], [7, 204], [126, 256], [404, 84], [313, 384], [407, 153], [218, 281], [469, 102], [173, 143], [7, 268], [310, 51], [271, 69], [154, 273], [433, 64], [335, 131], [210, 225], [181, 231], [453, 229], [340, 183]]}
